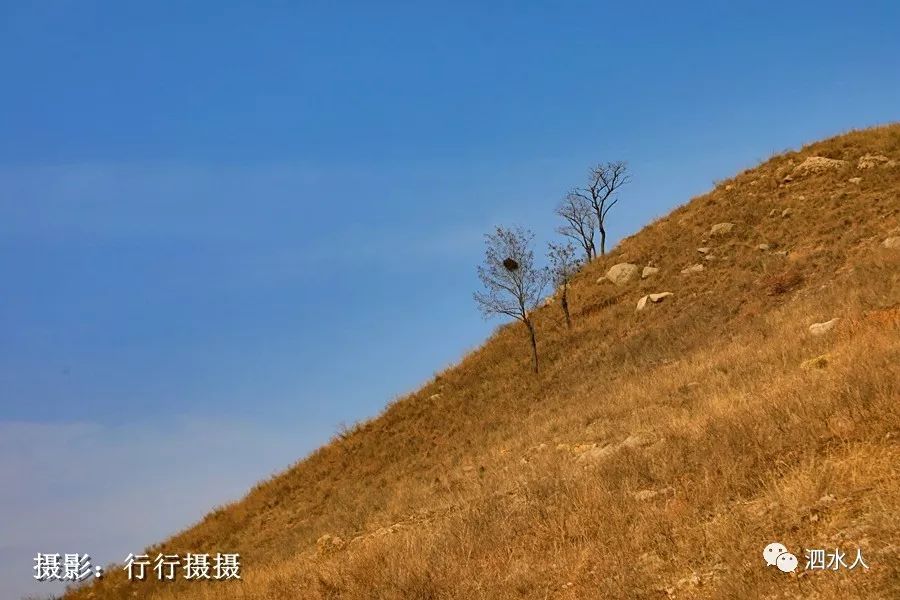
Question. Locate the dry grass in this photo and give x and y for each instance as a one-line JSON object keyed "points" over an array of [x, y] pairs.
{"points": [[656, 454]]}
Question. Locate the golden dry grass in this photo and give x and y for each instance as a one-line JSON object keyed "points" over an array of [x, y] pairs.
{"points": [[657, 452]]}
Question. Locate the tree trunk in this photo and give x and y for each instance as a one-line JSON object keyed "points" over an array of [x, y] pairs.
{"points": [[565, 305], [602, 241], [534, 353]]}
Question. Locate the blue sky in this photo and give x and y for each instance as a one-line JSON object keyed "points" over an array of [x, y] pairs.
{"points": [[232, 226]]}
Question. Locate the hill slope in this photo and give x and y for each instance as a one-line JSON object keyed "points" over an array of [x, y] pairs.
{"points": [[658, 451]]}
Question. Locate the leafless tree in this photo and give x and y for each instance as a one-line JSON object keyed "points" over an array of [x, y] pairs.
{"points": [[513, 283], [580, 222], [563, 264], [604, 181]]}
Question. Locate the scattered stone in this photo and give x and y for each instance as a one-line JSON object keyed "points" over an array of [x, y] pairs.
{"points": [[892, 242], [781, 252], [870, 161], [729, 187], [764, 247], [817, 164], [434, 396], [644, 495], [823, 328], [602, 280], [648, 271], [773, 212], [596, 454], [787, 212], [819, 362], [721, 229], [329, 543], [704, 250], [636, 440], [855, 180], [692, 269], [652, 298], [826, 500], [622, 273]]}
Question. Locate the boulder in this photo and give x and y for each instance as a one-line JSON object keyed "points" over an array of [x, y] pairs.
{"points": [[892, 242], [692, 269], [817, 164], [823, 328], [648, 271], [721, 229], [622, 273], [870, 161]]}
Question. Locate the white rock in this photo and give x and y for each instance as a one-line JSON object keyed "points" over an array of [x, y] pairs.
{"points": [[787, 212], [817, 164], [703, 250], [721, 228], [602, 280], [642, 303], [823, 328], [763, 247], [648, 271], [622, 273], [660, 296], [872, 160], [644, 495], [597, 453], [892, 242], [692, 269]]}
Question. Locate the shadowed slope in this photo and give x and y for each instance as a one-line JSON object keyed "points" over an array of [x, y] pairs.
{"points": [[658, 451]]}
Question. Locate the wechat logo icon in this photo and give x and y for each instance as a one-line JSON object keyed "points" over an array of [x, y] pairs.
{"points": [[776, 554]]}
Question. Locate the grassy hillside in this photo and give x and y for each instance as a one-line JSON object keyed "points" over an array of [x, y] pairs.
{"points": [[657, 452]]}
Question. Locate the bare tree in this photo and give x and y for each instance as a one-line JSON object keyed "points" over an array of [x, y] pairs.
{"points": [[600, 194], [563, 265], [580, 222], [513, 283]]}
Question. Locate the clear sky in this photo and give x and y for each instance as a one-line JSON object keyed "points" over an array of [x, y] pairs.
{"points": [[226, 227]]}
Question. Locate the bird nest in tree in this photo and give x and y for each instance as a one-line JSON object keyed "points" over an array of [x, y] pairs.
{"points": [[510, 264]]}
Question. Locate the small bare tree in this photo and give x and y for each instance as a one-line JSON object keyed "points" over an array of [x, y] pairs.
{"points": [[513, 283], [600, 194], [580, 222], [563, 265]]}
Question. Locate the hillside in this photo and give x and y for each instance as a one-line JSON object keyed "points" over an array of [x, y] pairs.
{"points": [[657, 452]]}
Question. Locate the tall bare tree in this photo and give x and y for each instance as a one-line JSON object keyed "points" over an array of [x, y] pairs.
{"points": [[563, 264], [604, 181], [513, 283], [580, 222]]}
